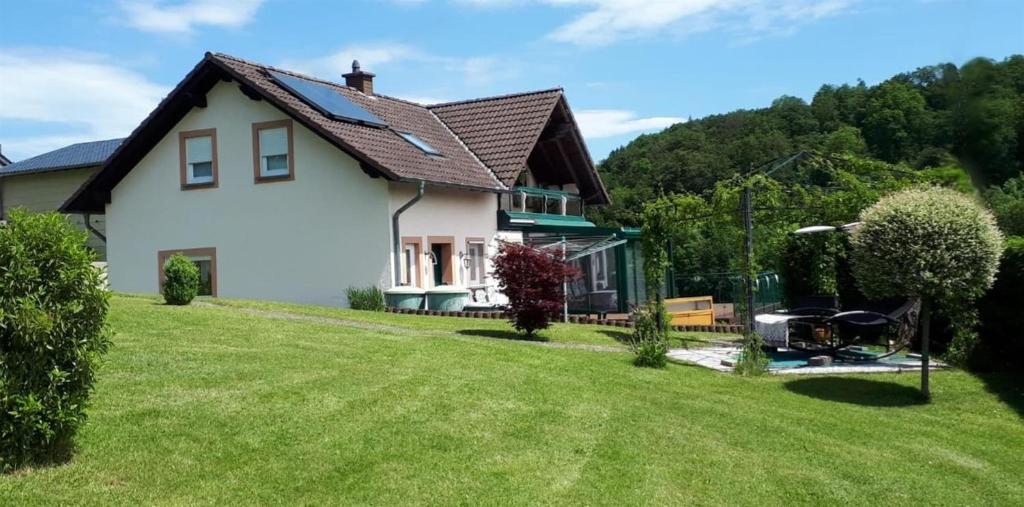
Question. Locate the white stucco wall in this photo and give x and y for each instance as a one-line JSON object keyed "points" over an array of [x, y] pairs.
{"points": [[304, 240], [447, 212]]}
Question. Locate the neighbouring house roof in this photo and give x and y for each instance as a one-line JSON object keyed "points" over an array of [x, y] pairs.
{"points": [[88, 154], [475, 154]]}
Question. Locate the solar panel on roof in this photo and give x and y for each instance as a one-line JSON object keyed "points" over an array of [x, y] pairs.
{"points": [[327, 100]]}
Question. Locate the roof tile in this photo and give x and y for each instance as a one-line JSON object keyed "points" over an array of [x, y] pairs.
{"points": [[501, 131]]}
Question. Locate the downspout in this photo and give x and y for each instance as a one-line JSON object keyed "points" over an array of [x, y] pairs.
{"points": [[396, 236], [88, 225]]}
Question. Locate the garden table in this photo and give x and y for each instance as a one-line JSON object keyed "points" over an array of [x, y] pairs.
{"points": [[774, 328]]}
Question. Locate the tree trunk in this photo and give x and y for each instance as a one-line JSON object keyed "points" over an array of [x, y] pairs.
{"points": [[926, 324], [747, 204]]}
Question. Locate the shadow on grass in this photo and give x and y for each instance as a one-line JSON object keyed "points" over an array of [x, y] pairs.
{"points": [[619, 336], [1009, 387], [502, 335], [58, 455], [624, 338], [857, 391]]}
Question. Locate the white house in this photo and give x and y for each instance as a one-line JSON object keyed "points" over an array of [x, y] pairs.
{"points": [[285, 187]]}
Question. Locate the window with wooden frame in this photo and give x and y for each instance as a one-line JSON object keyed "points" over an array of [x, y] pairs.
{"points": [[411, 255], [204, 258], [198, 154], [273, 151], [474, 261]]}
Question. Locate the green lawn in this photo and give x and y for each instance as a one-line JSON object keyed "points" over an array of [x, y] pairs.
{"points": [[221, 405]]}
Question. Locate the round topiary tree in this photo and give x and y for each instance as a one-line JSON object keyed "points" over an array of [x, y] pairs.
{"points": [[931, 243], [53, 309], [181, 280]]}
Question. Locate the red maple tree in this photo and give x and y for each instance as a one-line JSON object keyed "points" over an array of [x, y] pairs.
{"points": [[532, 280]]}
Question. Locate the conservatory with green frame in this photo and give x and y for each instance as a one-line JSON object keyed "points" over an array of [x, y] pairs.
{"points": [[610, 259]]}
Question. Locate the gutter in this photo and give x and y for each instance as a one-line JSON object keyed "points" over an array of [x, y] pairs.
{"points": [[88, 225], [396, 236]]}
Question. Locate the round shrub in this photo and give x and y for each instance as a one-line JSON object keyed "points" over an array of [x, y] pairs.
{"points": [[935, 244], [53, 310], [181, 280], [932, 243]]}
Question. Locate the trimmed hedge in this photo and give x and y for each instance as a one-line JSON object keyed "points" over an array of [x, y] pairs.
{"points": [[53, 310]]}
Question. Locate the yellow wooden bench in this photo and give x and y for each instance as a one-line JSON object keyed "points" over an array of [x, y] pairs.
{"points": [[692, 311]]}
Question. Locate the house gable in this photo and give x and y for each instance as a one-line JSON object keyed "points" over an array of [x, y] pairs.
{"points": [[533, 132], [382, 152], [285, 240]]}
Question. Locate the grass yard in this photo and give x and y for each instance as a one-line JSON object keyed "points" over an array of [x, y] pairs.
{"points": [[223, 404]]}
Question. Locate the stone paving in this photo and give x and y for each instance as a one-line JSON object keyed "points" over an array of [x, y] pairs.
{"points": [[722, 358]]}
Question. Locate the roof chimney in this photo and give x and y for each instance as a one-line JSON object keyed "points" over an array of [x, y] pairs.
{"points": [[362, 81]]}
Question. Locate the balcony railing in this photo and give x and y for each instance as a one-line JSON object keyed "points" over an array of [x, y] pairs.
{"points": [[542, 201]]}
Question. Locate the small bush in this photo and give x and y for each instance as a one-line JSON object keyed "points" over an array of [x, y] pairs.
{"points": [[181, 280], [649, 343], [753, 360], [365, 298], [532, 281], [53, 311]]}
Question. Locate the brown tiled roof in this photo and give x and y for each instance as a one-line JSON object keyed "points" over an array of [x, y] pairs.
{"points": [[501, 131], [383, 147]]}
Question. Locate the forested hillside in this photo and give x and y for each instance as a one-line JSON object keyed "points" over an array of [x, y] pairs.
{"points": [[942, 119]]}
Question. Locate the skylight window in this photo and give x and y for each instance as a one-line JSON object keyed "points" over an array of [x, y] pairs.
{"points": [[419, 143]]}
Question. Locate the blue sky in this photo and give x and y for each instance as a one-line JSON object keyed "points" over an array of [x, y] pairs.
{"points": [[74, 71]]}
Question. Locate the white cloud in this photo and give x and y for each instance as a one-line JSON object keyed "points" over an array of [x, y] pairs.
{"points": [[606, 21], [599, 123], [370, 56], [477, 71], [182, 17], [69, 97]]}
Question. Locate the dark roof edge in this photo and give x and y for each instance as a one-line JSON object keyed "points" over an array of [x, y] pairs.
{"points": [[72, 205], [495, 97], [9, 174], [578, 135], [8, 170]]}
